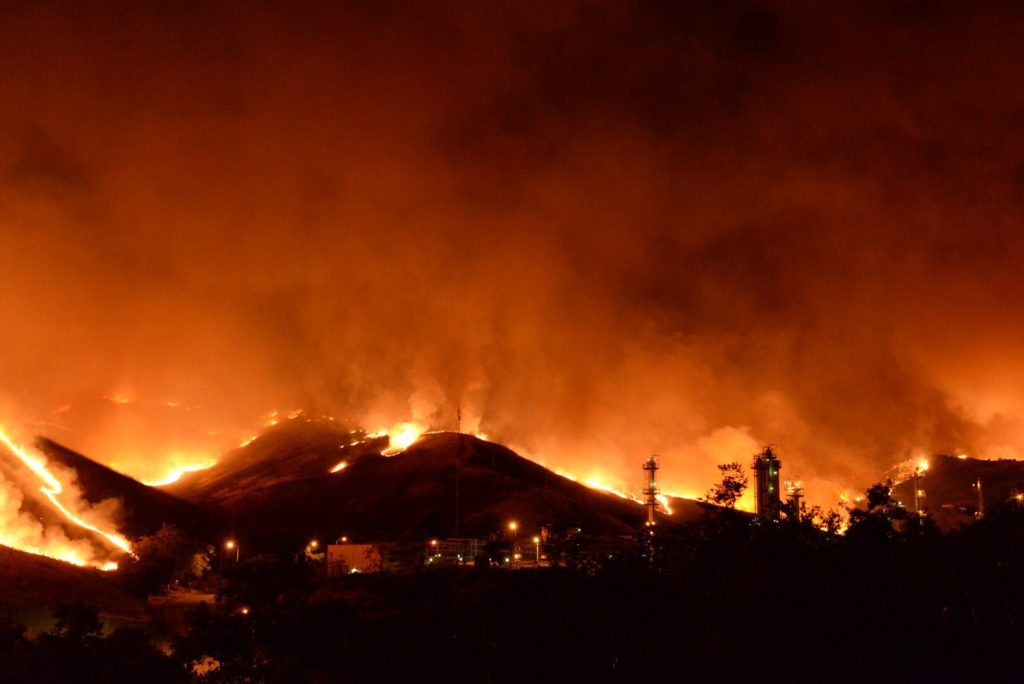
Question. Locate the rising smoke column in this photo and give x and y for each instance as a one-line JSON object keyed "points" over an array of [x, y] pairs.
{"points": [[603, 229]]}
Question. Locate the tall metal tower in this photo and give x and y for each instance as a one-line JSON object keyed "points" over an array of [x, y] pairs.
{"points": [[766, 478], [651, 491]]}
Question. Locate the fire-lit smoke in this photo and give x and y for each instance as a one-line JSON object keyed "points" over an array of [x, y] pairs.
{"points": [[66, 527], [597, 230]]}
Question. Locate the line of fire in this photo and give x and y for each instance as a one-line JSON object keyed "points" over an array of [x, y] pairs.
{"points": [[340, 514]]}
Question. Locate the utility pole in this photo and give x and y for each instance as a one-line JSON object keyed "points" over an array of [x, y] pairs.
{"points": [[458, 467], [980, 513]]}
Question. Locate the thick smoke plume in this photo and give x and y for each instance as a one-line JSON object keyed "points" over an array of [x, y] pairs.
{"points": [[604, 229]]}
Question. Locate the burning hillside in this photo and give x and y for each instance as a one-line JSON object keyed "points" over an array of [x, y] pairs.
{"points": [[60, 524], [954, 490], [286, 485], [305, 478]]}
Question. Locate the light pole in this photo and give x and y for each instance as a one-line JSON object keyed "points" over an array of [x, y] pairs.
{"points": [[232, 545], [536, 547]]}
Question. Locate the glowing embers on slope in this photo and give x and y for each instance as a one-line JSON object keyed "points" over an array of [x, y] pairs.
{"points": [[60, 549]]}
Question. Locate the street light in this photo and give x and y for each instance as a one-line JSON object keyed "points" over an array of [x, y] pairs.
{"points": [[513, 526], [232, 545], [536, 546]]}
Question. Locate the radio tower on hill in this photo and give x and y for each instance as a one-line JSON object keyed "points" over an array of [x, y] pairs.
{"points": [[651, 492]]}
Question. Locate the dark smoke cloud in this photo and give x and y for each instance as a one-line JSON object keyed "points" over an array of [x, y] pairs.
{"points": [[604, 229]]}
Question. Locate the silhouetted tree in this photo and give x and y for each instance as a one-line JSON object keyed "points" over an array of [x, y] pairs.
{"points": [[163, 559], [730, 489]]}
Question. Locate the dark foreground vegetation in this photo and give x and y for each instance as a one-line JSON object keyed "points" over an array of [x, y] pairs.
{"points": [[725, 600]]}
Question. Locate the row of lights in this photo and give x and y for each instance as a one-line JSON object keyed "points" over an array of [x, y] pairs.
{"points": [[232, 545]]}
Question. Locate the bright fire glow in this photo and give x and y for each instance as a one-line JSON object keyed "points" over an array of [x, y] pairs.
{"points": [[663, 500], [338, 468], [594, 483], [52, 488], [175, 474], [922, 465], [401, 437]]}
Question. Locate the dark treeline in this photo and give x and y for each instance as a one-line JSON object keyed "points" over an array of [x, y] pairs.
{"points": [[728, 599]]}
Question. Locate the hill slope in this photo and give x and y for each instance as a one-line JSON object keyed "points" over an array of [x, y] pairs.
{"points": [[446, 484], [950, 495], [28, 581], [144, 509]]}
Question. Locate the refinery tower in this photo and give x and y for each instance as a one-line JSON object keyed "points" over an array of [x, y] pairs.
{"points": [[767, 501]]}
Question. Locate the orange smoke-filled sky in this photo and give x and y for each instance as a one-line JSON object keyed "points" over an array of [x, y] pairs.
{"points": [[603, 229]]}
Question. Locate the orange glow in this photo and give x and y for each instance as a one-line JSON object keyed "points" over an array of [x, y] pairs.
{"points": [[338, 468]]}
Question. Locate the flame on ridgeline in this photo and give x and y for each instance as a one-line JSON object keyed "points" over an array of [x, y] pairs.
{"points": [[175, 474], [15, 535], [401, 436]]}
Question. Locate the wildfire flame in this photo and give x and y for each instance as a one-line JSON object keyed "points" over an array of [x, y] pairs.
{"points": [[175, 474], [51, 489], [594, 483], [663, 500], [401, 436]]}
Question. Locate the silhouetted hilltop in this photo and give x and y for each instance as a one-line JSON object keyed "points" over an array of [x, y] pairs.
{"points": [[281, 490], [950, 495]]}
